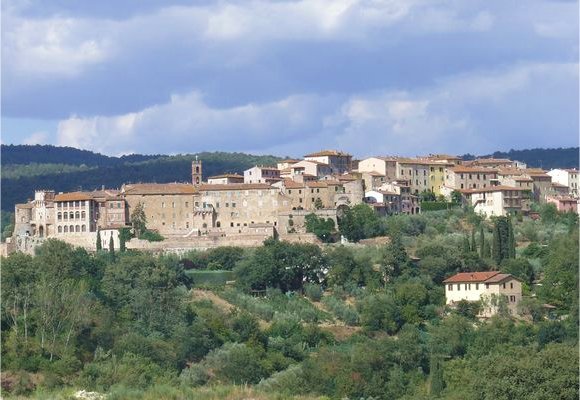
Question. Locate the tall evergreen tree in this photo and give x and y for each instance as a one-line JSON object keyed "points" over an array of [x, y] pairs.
{"points": [[466, 247], [99, 244], [436, 375], [473, 244], [496, 244], [395, 258], [481, 241], [511, 239], [111, 245]]}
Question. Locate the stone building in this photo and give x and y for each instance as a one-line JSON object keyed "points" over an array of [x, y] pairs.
{"points": [[36, 217], [567, 177], [497, 200], [168, 207], [261, 174], [225, 179], [339, 162], [463, 177]]}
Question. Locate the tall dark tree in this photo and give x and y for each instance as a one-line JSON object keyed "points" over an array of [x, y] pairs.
{"points": [[473, 244], [481, 242], [395, 258], [503, 242], [139, 220], [99, 244], [111, 245], [436, 375], [466, 248], [511, 239]]}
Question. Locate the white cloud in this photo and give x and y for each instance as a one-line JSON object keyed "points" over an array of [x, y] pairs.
{"points": [[40, 137], [187, 122], [50, 47], [466, 113]]}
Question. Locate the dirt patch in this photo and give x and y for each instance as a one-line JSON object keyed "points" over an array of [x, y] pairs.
{"points": [[340, 332]]}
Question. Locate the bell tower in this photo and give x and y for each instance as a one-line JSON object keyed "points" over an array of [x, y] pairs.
{"points": [[196, 171]]}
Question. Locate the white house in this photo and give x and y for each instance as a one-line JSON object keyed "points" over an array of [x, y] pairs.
{"points": [[568, 177], [496, 200], [485, 287]]}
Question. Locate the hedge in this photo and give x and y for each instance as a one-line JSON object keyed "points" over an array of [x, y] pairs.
{"points": [[436, 205], [217, 278]]}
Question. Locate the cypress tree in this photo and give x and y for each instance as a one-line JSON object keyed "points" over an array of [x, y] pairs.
{"points": [[122, 247], [111, 245], [436, 374], [481, 242], [511, 239], [486, 249], [473, 244], [466, 248], [496, 248], [99, 244]]}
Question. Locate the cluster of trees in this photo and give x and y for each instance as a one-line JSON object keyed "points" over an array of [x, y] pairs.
{"points": [[103, 170], [105, 323]]}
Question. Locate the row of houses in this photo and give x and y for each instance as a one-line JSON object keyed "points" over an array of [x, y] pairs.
{"points": [[265, 198]]}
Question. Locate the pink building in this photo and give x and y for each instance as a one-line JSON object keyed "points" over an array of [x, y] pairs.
{"points": [[564, 203]]}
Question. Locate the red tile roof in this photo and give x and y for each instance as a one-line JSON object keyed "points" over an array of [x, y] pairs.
{"points": [[465, 169], [226, 176], [159, 188], [479, 277], [234, 186]]}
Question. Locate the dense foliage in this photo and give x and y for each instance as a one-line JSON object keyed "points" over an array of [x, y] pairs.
{"points": [[30, 167], [339, 321]]}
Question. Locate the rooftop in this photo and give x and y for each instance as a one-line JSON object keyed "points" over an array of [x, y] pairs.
{"points": [[234, 186], [226, 176], [325, 153], [478, 277], [159, 188]]}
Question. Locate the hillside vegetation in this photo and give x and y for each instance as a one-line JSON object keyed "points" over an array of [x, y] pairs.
{"points": [[27, 168], [300, 321]]}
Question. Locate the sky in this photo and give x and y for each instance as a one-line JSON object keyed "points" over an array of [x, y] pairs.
{"points": [[371, 77]]}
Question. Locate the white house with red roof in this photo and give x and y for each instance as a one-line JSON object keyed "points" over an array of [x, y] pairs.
{"points": [[484, 286]]}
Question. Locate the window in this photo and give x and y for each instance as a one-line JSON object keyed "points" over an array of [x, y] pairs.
{"points": [[60, 229], [77, 228], [511, 285], [450, 288], [65, 229], [162, 204], [289, 191], [512, 299], [218, 224], [487, 285], [59, 216], [477, 286], [503, 285], [458, 287], [466, 286], [111, 205], [187, 204], [65, 215], [172, 204], [77, 215], [227, 204], [83, 215], [84, 228]]}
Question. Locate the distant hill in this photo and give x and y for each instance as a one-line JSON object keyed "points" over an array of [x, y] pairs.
{"points": [[26, 168], [539, 158]]}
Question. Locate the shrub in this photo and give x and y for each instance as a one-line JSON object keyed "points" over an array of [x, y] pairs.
{"points": [[151, 236], [313, 291]]}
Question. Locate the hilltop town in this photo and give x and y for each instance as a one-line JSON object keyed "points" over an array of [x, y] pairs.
{"points": [[268, 201]]}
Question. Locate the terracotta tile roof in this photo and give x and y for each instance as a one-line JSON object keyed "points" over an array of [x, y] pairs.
{"points": [[373, 173], [290, 184], [482, 161], [498, 188], [324, 153], [27, 205], [289, 160], [471, 277], [500, 278], [443, 157], [159, 188], [556, 184], [522, 179], [226, 176], [73, 196], [234, 186], [465, 169]]}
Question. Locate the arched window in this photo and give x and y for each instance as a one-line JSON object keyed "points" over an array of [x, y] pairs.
{"points": [[59, 216], [77, 228], [84, 228], [83, 215], [65, 229], [72, 228], [60, 229], [65, 215], [71, 215], [77, 215], [204, 225], [218, 224], [197, 170]]}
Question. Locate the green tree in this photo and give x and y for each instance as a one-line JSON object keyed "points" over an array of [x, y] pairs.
{"points": [[111, 246], [322, 228], [437, 382], [395, 258], [318, 204], [481, 242], [456, 197], [360, 222], [139, 220], [503, 241], [473, 245], [99, 245], [124, 236]]}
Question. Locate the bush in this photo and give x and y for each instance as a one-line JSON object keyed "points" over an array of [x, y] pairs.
{"points": [[209, 278], [341, 310], [151, 236], [313, 291]]}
